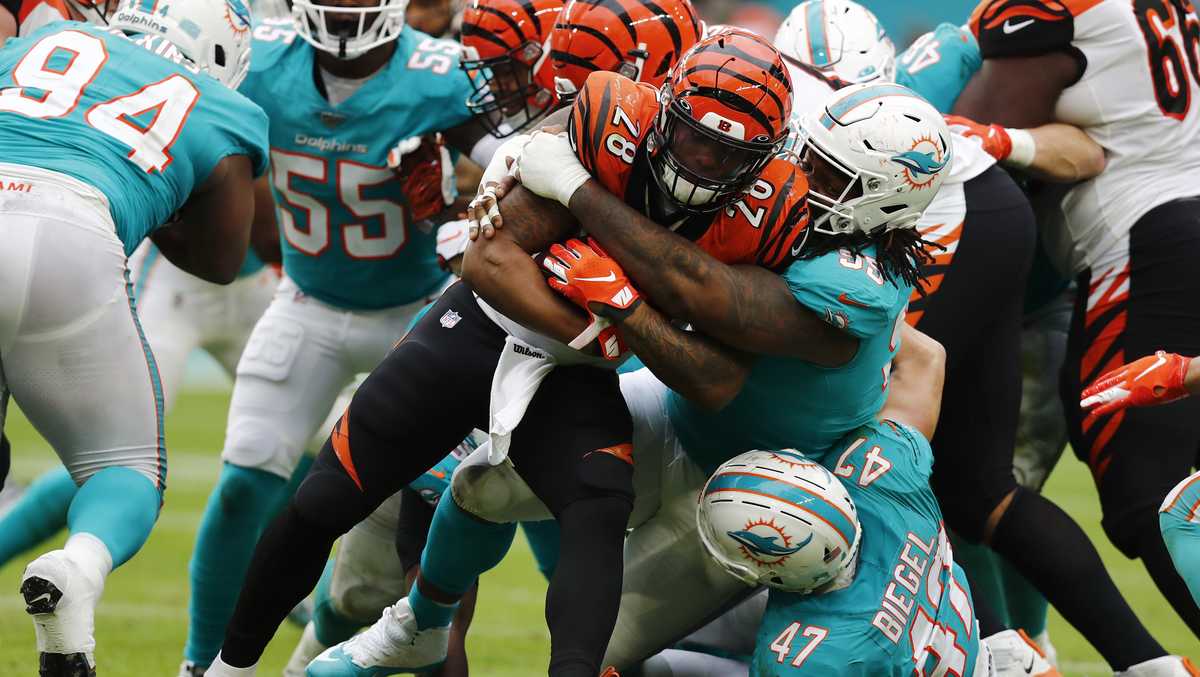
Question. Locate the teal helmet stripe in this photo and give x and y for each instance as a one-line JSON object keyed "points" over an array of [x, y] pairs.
{"points": [[818, 42], [796, 495], [838, 109]]}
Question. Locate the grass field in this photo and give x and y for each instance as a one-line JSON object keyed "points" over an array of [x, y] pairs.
{"points": [[142, 621]]}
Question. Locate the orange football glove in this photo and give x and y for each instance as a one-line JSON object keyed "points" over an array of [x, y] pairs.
{"points": [[1156, 379], [995, 139], [427, 174], [589, 278]]}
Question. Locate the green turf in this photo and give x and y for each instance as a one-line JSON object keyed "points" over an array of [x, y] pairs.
{"points": [[141, 624]]}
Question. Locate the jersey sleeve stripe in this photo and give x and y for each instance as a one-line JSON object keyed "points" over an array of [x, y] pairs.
{"points": [[596, 142]]}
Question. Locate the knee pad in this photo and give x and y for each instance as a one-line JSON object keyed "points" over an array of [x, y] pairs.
{"points": [[495, 493]]}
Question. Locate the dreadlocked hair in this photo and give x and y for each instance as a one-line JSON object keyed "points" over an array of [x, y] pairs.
{"points": [[902, 253]]}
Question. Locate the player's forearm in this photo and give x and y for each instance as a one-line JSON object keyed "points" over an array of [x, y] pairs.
{"points": [[504, 275], [1064, 154], [916, 382], [695, 366], [213, 259], [668, 269]]}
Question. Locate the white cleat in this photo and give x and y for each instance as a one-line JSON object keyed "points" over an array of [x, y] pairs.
{"points": [[393, 645], [61, 597], [1048, 650], [1163, 666], [309, 648], [1015, 655]]}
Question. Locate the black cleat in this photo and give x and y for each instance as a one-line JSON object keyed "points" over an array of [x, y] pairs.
{"points": [[64, 665], [41, 596]]}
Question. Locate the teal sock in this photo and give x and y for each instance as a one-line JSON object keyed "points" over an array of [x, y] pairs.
{"points": [[1027, 607], [331, 627], [460, 547], [544, 540], [238, 509], [429, 614], [293, 484], [983, 570], [119, 506], [38, 514]]}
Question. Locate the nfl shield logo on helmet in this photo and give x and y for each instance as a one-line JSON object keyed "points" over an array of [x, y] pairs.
{"points": [[450, 319]]}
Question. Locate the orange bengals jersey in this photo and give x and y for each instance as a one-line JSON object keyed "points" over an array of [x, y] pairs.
{"points": [[609, 128]]}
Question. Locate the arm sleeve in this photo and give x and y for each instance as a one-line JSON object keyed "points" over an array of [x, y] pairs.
{"points": [[1006, 28]]}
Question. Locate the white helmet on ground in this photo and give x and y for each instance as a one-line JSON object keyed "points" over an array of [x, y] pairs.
{"points": [[876, 156], [212, 34], [776, 518], [839, 39], [348, 32]]}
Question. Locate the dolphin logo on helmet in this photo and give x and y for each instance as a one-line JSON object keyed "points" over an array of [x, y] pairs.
{"points": [[766, 545], [921, 163]]}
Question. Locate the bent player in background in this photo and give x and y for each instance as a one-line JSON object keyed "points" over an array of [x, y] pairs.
{"points": [[93, 187], [1161, 378], [1130, 236]]}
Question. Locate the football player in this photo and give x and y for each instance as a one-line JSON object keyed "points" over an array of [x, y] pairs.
{"points": [[898, 604], [978, 215], [1161, 378], [86, 186], [594, 513], [342, 83], [1128, 236]]}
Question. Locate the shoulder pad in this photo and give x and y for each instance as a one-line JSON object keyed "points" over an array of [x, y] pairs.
{"points": [[1022, 27], [609, 120], [766, 227]]}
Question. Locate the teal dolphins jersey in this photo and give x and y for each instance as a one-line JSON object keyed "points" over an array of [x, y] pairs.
{"points": [[908, 610], [1179, 520], [126, 115], [342, 214], [940, 64], [790, 403]]}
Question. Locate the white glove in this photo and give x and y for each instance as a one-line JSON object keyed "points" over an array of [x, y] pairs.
{"points": [[548, 167], [486, 206], [452, 240], [396, 155]]}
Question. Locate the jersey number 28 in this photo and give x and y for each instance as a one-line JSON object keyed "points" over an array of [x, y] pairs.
{"points": [[48, 92]]}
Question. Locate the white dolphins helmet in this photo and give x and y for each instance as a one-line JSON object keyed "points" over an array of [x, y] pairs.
{"points": [[776, 518], [212, 34], [348, 32], [891, 148], [839, 39]]}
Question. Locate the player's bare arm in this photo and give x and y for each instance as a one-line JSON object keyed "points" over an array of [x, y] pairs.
{"points": [[501, 271], [8, 24], [918, 374], [213, 231], [264, 232], [1018, 92], [1054, 152], [746, 307], [706, 372]]}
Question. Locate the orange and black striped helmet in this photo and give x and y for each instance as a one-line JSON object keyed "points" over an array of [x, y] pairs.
{"points": [[724, 115], [640, 39], [505, 52]]}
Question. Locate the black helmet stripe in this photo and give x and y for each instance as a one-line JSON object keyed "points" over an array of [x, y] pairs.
{"points": [[567, 57], [599, 35], [618, 8], [512, 23], [736, 100], [775, 69], [531, 11], [668, 22], [472, 30]]}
